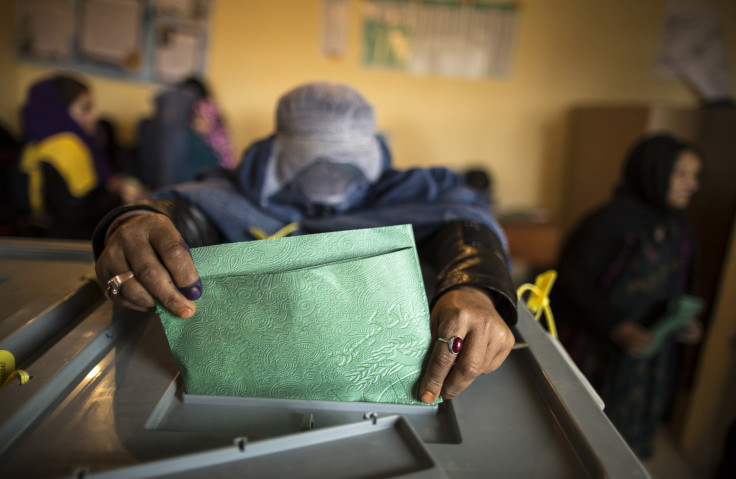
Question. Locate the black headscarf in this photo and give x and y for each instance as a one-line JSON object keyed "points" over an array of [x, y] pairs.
{"points": [[648, 168]]}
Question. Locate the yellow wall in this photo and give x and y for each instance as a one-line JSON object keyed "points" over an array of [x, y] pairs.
{"points": [[568, 52]]}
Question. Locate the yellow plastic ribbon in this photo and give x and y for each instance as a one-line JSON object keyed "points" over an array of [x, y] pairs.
{"points": [[285, 231], [8, 371], [538, 300]]}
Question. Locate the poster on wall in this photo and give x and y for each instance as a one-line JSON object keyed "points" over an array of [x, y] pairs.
{"points": [[692, 49], [430, 37], [334, 27], [177, 53], [110, 32], [44, 29], [149, 40]]}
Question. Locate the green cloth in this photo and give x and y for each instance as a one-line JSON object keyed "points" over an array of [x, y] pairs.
{"points": [[685, 310], [333, 316]]}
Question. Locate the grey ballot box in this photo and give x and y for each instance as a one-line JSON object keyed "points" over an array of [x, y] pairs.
{"points": [[106, 401]]}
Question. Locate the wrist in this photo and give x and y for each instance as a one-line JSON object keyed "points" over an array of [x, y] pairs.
{"points": [[118, 222]]}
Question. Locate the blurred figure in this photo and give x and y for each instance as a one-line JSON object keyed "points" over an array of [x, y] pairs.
{"points": [[9, 148], [185, 137], [107, 138], [481, 180], [71, 183], [207, 122], [625, 267]]}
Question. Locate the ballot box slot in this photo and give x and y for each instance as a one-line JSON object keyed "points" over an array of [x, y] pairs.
{"points": [[387, 447], [260, 418]]}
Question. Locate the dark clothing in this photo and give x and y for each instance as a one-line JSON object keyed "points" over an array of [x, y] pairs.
{"points": [[612, 270], [71, 217], [631, 259]]}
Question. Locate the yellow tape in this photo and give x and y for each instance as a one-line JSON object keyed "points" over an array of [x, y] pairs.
{"points": [[8, 371], [285, 231], [538, 300]]}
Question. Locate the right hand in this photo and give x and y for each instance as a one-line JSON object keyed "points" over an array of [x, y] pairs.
{"points": [[151, 247], [631, 337]]}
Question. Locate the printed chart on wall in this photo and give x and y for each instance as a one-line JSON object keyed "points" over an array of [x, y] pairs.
{"points": [[433, 37], [150, 40]]}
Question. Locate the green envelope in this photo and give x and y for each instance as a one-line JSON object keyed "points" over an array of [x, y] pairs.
{"points": [[333, 316], [686, 309]]}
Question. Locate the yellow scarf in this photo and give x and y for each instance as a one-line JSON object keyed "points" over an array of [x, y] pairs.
{"points": [[68, 154]]}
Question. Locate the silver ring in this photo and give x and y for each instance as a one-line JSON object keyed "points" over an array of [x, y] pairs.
{"points": [[454, 344], [116, 282]]}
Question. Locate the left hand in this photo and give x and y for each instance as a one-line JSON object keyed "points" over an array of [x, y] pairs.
{"points": [[466, 312]]}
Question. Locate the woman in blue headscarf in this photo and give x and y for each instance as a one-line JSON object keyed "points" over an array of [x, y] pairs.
{"points": [[325, 169], [71, 182]]}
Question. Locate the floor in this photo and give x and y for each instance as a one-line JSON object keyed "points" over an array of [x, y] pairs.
{"points": [[668, 463]]}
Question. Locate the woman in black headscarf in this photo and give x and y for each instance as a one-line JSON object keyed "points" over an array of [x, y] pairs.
{"points": [[623, 269]]}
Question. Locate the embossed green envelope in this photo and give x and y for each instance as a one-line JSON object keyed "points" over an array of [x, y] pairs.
{"points": [[333, 316]]}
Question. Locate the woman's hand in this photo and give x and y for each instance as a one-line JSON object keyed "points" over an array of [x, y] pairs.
{"points": [[127, 187], [151, 247], [691, 333], [631, 337], [468, 313]]}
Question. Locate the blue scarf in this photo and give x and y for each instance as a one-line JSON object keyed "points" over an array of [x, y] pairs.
{"points": [[425, 198]]}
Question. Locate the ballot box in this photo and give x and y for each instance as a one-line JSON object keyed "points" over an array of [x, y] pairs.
{"points": [[105, 400]]}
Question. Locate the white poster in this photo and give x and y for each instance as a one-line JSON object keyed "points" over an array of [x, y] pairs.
{"points": [[692, 49], [110, 31]]}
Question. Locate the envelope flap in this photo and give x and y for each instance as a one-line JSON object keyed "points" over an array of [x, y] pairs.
{"points": [[296, 252]]}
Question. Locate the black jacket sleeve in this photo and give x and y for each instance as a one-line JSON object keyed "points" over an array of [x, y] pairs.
{"points": [[466, 253], [192, 223]]}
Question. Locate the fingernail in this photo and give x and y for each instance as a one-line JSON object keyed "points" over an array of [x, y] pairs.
{"points": [[186, 313], [428, 397], [193, 291]]}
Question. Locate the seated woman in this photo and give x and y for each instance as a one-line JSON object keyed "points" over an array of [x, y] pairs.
{"points": [[326, 169], [185, 137], [207, 122], [71, 183], [624, 267]]}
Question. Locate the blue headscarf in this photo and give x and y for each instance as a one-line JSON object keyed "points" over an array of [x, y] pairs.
{"points": [[425, 198]]}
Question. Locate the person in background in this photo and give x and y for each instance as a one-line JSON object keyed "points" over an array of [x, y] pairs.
{"points": [[481, 180], [327, 170], [208, 123], [71, 183], [625, 266], [9, 148], [185, 137]]}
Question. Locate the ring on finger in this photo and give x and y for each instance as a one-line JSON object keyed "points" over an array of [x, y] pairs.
{"points": [[454, 344], [115, 283]]}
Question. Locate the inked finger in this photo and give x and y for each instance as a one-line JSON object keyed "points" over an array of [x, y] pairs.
{"points": [[177, 258]]}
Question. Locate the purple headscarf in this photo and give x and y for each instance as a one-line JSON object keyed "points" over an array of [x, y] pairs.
{"points": [[217, 138], [46, 115]]}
